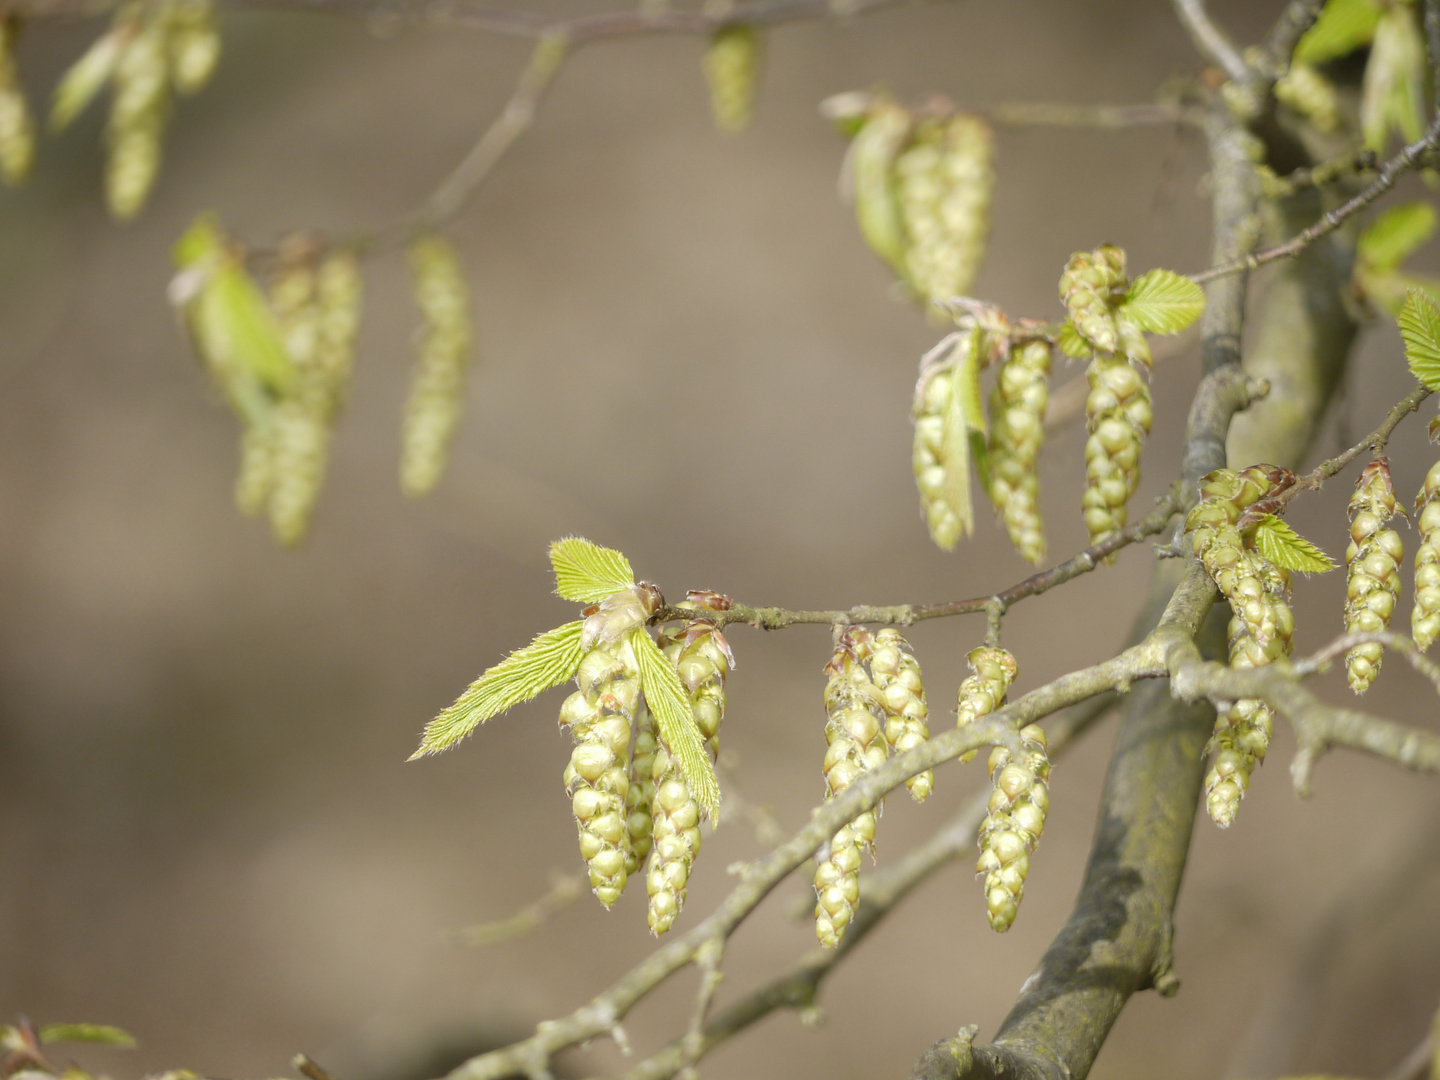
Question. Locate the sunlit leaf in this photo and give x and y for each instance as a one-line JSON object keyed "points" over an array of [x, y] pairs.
{"points": [[1288, 550], [87, 1033], [587, 573], [1343, 26], [667, 700], [1395, 234], [1420, 327], [1163, 302], [547, 661]]}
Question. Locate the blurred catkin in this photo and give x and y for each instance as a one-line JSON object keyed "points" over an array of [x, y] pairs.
{"points": [[437, 388], [17, 128]]}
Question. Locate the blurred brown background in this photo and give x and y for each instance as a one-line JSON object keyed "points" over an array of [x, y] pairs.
{"points": [[208, 832]]}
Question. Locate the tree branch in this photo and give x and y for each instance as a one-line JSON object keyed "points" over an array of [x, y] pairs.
{"points": [[880, 892], [1390, 172], [1210, 40], [777, 618]]}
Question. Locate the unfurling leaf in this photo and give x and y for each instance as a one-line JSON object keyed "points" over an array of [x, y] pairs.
{"points": [[86, 78], [547, 661], [588, 573], [955, 445], [1288, 550], [671, 708], [1343, 26], [87, 1033], [1069, 341], [967, 383], [1420, 327], [1394, 92], [1163, 302], [1394, 235]]}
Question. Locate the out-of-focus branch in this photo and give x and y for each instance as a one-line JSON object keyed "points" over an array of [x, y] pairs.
{"points": [[1390, 172], [880, 892], [1211, 42]]}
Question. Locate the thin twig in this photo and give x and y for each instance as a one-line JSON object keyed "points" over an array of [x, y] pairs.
{"points": [[1376, 441], [1210, 40], [1400, 643], [777, 618], [564, 890], [1390, 172]]}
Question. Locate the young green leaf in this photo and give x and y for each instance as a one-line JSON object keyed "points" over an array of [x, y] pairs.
{"points": [[1163, 302], [588, 573], [86, 77], [671, 708], [87, 1033], [1394, 235], [955, 453], [1343, 26], [1071, 343], [967, 382], [547, 661], [1420, 327], [1288, 550]]}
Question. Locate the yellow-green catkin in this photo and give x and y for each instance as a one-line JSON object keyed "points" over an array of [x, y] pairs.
{"points": [[1259, 634], [1017, 431], [194, 44], [1425, 616], [945, 180], [437, 388], [676, 842], [1372, 563], [732, 70], [17, 128], [1311, 95], [1012, 828], [896, 674], [138, 113], [854, 733], [256, 476], [317, 307], [639, 821], [1091, 286], [600, 715], [1261, 624], [1118, 417], [703, 659], [984, 691]]}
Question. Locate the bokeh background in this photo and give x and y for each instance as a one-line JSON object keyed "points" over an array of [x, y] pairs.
{"points": [[208, 831]]}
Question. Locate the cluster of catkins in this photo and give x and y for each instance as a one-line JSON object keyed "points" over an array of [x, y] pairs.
{"points": [[1222, 530], [732, 69], [1372, 562], [922, 183], [950, 426], [631, 805], [1117, 411], [874, 703], [153, 48], [283, 361], [315, 297]]}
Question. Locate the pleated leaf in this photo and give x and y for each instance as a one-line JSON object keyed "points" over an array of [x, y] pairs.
{"points": [[87, 1033], [1420, 327], [955, 456], [588, 573], [1163, 302], [671, 708], [547, 661], [1288, 550]]}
